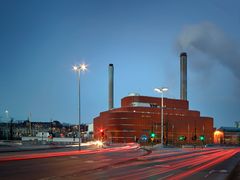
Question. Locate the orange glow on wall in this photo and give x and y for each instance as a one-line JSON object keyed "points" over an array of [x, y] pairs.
{"points": [[218, 137]]}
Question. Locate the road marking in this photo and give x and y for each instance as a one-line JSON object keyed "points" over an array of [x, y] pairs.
{"points": [[163, 165], [166, 176], [102, 160], [74, 157], [89, 161], [216, 171]]}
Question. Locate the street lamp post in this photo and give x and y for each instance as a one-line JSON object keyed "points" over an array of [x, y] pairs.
{"points": [[6, 112], [78, 69], [172, 132], [7, 116], [161, 90]]}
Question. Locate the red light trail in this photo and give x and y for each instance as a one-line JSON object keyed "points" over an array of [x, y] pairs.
{"points": [[168, 164], [217, 158], [67, 153], [193, 162]]}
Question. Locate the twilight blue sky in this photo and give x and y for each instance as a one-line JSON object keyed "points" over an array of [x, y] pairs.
{"points": [[41, 40]]}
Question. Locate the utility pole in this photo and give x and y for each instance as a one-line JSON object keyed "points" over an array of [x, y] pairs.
{"points": [[30, 124]]}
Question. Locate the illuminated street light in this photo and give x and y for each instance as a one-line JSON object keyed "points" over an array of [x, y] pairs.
{"points": [[6, 112], [161, 90], [78, 69]]}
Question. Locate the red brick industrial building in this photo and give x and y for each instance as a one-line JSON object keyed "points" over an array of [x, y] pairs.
{"points": [[139, 116]]}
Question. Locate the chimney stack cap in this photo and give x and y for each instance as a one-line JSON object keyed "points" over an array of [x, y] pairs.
{"points": [[183, 54]]}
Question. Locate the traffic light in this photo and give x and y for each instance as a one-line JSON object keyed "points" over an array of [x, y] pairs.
{"points": [[102, 133], [202, 138], [152, 135], [194, 138], [182, 138]]}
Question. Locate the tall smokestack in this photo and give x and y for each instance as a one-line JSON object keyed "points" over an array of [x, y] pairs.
{"points": [[183, 76], [110, 86]]}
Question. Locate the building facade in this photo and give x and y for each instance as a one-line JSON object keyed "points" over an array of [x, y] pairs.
{"points": [[15, 130], [140, 116]]}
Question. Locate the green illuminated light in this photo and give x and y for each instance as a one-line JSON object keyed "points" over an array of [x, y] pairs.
{"points": [[202, 138], [152, 135], [182, 138]]}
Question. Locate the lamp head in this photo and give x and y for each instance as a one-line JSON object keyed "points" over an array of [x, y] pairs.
{"points": [[164, 89], [75, 68], [157, 90], [80, 67], [161, 90], [83, 67]]}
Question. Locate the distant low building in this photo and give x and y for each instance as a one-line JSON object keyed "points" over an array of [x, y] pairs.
{"points": [[15, 130], [43, 134], [90, 132], [237, 124], [227, 136]]}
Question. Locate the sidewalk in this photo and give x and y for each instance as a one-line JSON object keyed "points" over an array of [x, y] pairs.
{"points": [[235, 174], [4, 149], [16, 146]]}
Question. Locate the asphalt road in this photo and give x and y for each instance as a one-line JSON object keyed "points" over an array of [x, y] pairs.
{"points": [[57, 165], [121, 163], [173, 164]]}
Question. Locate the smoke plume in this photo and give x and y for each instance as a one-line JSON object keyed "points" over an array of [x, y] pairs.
{"points": [[213, 44]]}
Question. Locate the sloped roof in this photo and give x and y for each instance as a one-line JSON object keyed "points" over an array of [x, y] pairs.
{"points": [[230, 129]]}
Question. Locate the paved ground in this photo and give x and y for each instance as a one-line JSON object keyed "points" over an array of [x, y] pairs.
{"points": [[235, 175], [5, 147], [15, 148]]}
